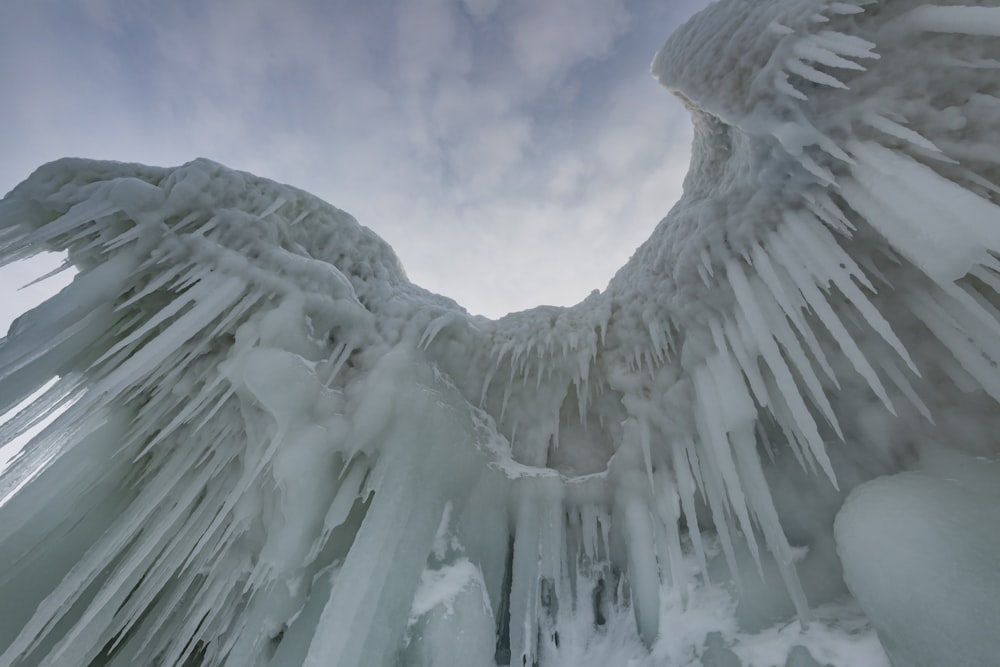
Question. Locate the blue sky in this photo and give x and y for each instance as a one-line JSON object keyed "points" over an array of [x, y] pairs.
{"points": [[513, 153]]}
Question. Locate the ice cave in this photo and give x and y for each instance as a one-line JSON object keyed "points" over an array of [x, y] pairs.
{"points": [[771, 441]]}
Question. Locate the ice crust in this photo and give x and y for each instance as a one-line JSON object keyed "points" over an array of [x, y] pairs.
{"points": [[267, 447], [932, 603]]}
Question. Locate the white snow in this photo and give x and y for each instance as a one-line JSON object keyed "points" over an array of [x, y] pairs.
{"points": [[933, 589]]}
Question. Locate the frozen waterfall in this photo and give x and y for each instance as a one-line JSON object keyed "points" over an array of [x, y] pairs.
{"points": [[772, 441]]}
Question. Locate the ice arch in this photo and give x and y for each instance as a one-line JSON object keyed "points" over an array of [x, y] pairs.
{"points": [[278, 451]]}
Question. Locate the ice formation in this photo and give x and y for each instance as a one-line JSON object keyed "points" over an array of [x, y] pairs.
{"points": [[272, 449]]}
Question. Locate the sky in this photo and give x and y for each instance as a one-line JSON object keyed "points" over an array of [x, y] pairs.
{"points": [[513, 152]]}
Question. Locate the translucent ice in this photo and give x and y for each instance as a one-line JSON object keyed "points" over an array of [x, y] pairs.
{"points": [[933, 593]]}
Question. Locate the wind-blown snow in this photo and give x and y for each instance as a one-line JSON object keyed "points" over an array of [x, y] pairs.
{"points": [[270, 448]]}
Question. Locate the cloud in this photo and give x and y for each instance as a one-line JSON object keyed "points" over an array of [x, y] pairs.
{"points": [[513, 153], [549, 39], [430, 43], [480, 10]]}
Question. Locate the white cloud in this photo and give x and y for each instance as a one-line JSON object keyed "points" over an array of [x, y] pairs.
{"points": [[513, 153], [550, 38], [480, 9], [430, 43]]}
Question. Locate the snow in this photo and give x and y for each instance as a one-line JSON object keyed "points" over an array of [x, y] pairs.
{"points": [[936, 602], [453, 595], [961, 20], [268, 447]]}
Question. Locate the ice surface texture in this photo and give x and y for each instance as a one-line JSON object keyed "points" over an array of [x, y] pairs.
{"points": [[275, 450]]}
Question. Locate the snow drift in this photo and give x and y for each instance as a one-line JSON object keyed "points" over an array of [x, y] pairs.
{"points": [[272, 449]]}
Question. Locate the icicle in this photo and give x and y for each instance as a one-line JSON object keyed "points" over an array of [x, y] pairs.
{"points": [[821, 250], [955, 19], [589, 533], [826, 210], [737, 406], [977, 318], [157, 583], [898, 131], [94, 628], [735, 337], [778, 248], [782, 85], [644, 443], [53, 398], [433, 329], [772, 356], [899, 379], [713, 490], [669, 512], [831, 148], [712, 432], [686, 488], [706, 261], [341, 353], [844, 8], [153, 354], [758, 490], [784, 291], [524, 589], [846, 45], [88, 570], [656, 337], [779, 29], [796, 66], [826, 253], [274, 206], [381, 571], [703, 274], [902, 198], [348, 493], [784, 335], [823, 175], [551, 548], [796, 442], [642, 568], [814, 50], [974, 311], [967, 352]]}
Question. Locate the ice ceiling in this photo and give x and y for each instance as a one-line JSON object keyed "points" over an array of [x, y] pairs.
{"points": [[771, 440]]}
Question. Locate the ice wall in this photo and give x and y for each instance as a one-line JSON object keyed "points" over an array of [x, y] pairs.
{"points": [[275, 450]]}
